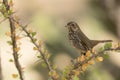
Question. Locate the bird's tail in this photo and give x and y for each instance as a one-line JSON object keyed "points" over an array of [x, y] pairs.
{"points": [[101, 41], [95, 42]]}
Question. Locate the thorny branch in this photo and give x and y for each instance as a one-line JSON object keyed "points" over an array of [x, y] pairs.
{"points": [[3, 20], [13, 36], [38, 47], [1, 78], [15, 53], [78, 65], [14, 42]]}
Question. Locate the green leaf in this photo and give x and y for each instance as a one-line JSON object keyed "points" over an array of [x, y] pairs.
{"points": [[66, 71], [75, 78], [44, 64], [10, 12], [39, 56], [11, 60], [33, 34], [35, 39], [100, 49], [107, 45], [47, 55], [5, 15], [3, 8], [106, 56], [9, 42], [54, 66]]}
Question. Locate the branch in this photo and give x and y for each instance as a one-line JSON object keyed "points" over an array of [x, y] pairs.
{"points": [[5, 2], [37, 46], [1, 77], [13, 38], [77, 66], [3, 20], [15, 52], [14, 42]]}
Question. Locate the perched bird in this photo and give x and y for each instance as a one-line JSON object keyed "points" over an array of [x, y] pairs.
{"points": [[80, 40]]}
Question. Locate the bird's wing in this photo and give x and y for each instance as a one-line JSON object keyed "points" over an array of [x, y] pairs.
{"points": [[80, 43], [85, 40]]}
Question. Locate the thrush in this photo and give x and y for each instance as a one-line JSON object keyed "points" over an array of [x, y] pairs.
{"points": [[80, 40]]}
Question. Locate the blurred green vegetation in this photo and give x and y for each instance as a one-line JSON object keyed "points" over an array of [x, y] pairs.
{"points": [[94, 19]]}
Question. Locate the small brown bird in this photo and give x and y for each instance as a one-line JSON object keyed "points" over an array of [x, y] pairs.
{"points": [[80, 40]]}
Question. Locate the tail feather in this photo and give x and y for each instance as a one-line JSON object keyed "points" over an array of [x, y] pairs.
{"points": [[95, 42], [101, 41]]}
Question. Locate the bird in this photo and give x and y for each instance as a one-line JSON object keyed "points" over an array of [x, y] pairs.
{"points": [[79, 40]]}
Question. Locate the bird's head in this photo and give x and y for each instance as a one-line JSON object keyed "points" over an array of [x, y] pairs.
{"points": [[72, 26]]}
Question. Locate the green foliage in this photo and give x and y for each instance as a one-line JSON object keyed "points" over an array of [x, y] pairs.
{"points": [[11, 60], [75, 78], [107, 45], [35, 39], [4, 11], [66, 71], [3, 8], [33, 34], [100, 49], [9, 42], [106, 56], [10, 12], [39, 56], [43, 64]]}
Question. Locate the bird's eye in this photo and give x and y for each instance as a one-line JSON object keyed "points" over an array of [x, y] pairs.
{"points": [[72, 25]]}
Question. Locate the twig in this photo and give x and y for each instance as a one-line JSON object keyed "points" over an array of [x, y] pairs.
{"points": [[3, 20], [79, 64], [14, 42], [39, 49], [5, 2], [15, 53], [1, 76], [13, 35], [6, 17], [28, 34]]}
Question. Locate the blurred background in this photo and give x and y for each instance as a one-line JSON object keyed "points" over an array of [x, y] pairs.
{"points": [[98, 19]]}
